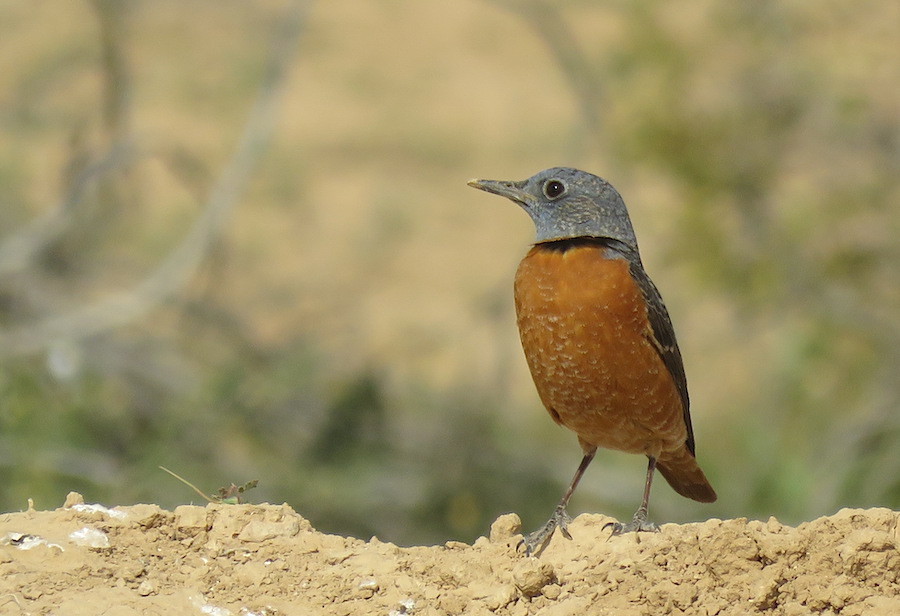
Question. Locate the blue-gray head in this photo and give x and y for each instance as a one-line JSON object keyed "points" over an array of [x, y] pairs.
{"points": [[566, 203]]}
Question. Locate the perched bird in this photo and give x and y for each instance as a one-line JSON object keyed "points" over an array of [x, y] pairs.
{"points": [[598, 338]]}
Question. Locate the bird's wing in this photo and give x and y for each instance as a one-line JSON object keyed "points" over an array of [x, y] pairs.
{"points": [[662, 337]]}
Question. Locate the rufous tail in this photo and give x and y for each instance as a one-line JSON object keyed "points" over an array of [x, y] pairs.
{"points": [[685, 476]]}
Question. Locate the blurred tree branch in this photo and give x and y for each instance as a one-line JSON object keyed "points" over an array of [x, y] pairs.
{"points": [[176, 269], [549, 23], [112, 15], [20, 250]]}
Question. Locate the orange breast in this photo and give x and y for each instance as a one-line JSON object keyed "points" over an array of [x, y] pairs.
{"points": [[585, 333]]}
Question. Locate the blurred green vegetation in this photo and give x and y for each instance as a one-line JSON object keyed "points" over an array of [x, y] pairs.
{"points": [[346, 336]]}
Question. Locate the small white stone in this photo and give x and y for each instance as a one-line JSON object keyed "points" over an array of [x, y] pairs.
{"points": [[113, 513], [89, 537]]}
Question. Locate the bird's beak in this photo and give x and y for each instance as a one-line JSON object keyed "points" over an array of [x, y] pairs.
{"points": [[510, 190]]}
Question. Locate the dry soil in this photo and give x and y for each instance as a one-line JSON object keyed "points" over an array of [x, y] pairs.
{"points": [[267, 560]]}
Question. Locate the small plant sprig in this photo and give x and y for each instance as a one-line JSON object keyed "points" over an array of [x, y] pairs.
{"points": [[230, 495]]}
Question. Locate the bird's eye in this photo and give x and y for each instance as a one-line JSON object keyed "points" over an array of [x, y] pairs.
{"points": [[554, 189]]}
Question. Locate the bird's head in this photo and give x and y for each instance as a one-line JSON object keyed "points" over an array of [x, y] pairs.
{"points": [[566, 203]]}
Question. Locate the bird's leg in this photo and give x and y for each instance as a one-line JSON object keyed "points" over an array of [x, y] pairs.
{"points": [[639, 522], [537, 541]]}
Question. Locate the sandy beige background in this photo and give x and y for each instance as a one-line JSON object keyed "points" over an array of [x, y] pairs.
{"points": [[345, 332]]}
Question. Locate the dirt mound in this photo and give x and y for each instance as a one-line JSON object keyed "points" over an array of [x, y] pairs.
{"points": [[266, 560]]}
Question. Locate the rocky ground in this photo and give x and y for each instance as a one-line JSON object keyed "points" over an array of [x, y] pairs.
{"points": [[267, 560]]}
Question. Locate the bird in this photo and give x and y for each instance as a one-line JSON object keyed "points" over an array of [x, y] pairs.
{"points": [[598, 338]]}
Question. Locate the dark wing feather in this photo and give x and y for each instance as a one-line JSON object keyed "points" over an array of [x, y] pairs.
{"points": [[663, 338]]}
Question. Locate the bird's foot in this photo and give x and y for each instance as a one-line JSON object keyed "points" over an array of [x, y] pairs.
{"points": [[638, 524], [535, 543]]}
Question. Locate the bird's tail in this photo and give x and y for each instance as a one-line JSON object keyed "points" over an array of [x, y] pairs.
{"points": [[686, 477]]}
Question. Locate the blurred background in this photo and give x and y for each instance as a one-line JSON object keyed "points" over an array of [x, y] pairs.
{"points": [[236, 241]]}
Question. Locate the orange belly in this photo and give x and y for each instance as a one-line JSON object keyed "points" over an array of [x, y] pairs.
{"points": [[587, 340]]}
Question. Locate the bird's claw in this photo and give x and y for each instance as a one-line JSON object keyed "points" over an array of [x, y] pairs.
{"points": [[638, 524], [535, 542]]}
